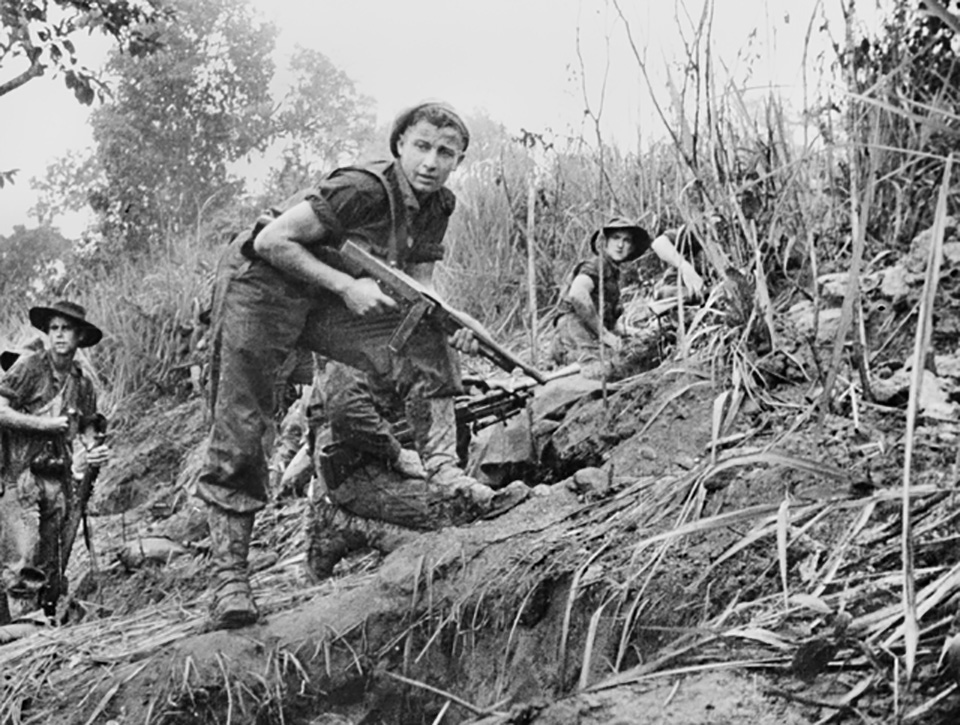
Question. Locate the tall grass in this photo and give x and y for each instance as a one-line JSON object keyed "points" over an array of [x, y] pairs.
{"points": [[148, 308], [785, 198]]}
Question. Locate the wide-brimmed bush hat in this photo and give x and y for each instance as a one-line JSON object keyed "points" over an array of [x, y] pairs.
{"points": [[404, 119], [639, 235], [89, 335]]}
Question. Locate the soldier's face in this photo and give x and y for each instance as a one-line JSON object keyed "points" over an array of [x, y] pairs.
{"points": [[64, 336], [428, 155], [619, 245]]}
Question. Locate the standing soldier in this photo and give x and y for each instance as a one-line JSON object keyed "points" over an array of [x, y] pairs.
{"points": [[281, 286], [43, 398]]}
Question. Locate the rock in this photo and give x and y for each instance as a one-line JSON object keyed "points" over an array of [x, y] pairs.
{"points": [[647, 453], [896, 282], [156, 549], [833, 286], [920, 247], [812, 658], [805, 319], [686, 462], [18, 630], [507, 498], [594, 481], [948, 365], [951, 252], [934, 400]]}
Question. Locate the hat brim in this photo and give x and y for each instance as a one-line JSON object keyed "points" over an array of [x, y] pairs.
{"points": [[639, 235], [89, 334]]}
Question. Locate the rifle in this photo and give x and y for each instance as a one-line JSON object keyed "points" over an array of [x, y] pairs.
{"points": [[473, 413], [423, 304], [95, 428]]}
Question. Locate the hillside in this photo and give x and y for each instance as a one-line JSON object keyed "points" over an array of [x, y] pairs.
{"points": [[698, 556]]}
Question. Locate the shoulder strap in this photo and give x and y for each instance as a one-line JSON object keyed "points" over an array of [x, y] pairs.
{"points": [[398, 218]]}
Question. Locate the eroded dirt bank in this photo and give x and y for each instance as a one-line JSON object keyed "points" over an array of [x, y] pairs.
{"points": [[675, 583]]}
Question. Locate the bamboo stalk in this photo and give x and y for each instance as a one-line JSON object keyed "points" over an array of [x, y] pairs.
{"points": [[911, 634], [532, 263]]}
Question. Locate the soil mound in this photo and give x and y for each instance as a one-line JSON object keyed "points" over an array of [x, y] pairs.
{"points": [[678, 569]]}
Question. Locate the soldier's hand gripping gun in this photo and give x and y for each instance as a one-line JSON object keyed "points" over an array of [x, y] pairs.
{"points": [[93, 429], [423, 306]]}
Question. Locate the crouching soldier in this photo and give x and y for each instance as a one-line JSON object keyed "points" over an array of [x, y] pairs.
{"points": [[590, 330], [372, 490], [43, 398]]}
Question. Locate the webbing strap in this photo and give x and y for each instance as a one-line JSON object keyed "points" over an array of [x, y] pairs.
{"points": [[398, 218]]}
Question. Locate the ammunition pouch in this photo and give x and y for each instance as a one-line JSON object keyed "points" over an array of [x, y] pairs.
{"points": [[49, 462]]}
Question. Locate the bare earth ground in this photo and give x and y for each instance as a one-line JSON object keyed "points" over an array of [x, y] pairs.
{"points": [[651, 590]]}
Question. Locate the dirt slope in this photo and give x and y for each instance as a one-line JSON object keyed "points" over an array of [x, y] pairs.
{"points": [[647, 589]]}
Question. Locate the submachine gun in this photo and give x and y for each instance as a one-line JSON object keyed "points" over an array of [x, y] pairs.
{"points": [[422, 306]]}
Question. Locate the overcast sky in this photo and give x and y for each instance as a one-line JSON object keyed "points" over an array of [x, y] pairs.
{"points": [[515, 59]]}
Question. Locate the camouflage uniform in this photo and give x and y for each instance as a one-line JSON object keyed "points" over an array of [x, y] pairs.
{"points": [[375, 504]]}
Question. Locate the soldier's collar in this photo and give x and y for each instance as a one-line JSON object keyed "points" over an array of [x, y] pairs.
{"points": [[410, 200]]}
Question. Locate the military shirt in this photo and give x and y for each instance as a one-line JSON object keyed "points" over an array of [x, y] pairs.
{"points": [[351, 203], [612, 308]]}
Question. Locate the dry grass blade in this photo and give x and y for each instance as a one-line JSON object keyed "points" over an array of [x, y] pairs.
{"points": [[589, 645], [713, 522], [666, 403], [922, 343], [829, 570], [926, 708], [568, 612], [717, 423], [437, 691], [763, 528], [783, 526], [859, 214], [443, 711], [763, 636], [930, 596], [776, 459], [633, 676], [105, 700]]}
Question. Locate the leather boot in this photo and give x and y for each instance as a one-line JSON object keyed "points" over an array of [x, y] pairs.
{"points": [[439, 454], [330, 538], [233, 605]]}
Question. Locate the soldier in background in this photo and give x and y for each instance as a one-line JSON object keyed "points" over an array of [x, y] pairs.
{"points": [[589, 330], [44, 396], [371, 487]]}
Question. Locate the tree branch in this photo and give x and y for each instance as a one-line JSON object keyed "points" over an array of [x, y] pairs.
{"points": [[35, 70]]}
